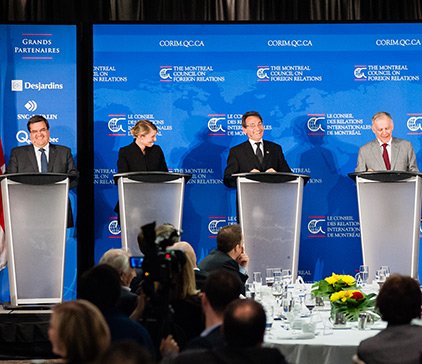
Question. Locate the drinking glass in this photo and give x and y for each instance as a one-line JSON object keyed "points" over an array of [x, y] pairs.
{"points": [[250, 290], [364, 273], [310, 302], [257, 281], [286, 276], [386, 269], [277, 290], [269, 279], [380, 276]]}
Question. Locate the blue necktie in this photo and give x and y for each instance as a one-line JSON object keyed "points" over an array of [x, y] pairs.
{"points": [[44, 164]]}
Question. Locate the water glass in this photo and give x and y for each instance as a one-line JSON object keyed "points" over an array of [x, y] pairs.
{"points": [[250, 290], [386, 269], [257, 281], [364, 273]]}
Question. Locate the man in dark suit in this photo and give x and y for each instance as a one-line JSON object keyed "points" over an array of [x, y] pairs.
{"points": [[385, 152], [221, 287], [399, 301], [230, 254], [42, 156], [244, 328], [256, 154]]}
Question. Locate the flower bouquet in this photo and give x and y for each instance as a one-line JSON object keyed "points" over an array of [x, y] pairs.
{"points": [[351, 303], [337, 282]]}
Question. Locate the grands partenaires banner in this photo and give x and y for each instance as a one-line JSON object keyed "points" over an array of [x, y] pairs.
{"points": [[316, 86], [38, 76]]}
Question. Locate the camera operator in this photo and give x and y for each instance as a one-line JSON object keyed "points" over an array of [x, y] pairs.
{"points": [[173, 304]]}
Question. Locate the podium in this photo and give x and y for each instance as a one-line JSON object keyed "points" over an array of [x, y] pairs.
{"points": [[270, 211], [390, 215], [35, 210], [145, 197]]}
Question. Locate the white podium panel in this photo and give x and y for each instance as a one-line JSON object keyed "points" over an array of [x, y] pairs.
{"points": [[146, 197], [270, 217], [35, 224], [390, 214]]}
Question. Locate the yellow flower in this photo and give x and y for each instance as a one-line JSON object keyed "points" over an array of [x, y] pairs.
{"points": [[342, 295], [348, 280], [333, 279]]}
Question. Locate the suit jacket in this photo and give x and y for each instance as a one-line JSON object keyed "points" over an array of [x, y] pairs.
{"points": [[214, 339], [23, 160], [131, 159], [228, 355], [216, 259], [393, 345], [242, 159], [402, 157]]}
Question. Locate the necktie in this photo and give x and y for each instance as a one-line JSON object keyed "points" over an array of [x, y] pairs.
{"points": [[44, 164], [259, 154], [385, 157]]}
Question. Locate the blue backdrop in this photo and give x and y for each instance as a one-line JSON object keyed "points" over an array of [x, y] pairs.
{"points": [[316, 86], [38, 76]]}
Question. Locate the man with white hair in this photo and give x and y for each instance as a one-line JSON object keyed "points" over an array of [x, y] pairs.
{"points": [[119, 260]]}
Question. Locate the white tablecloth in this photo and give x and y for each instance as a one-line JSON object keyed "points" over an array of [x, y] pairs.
{"points": [[336, 347]]}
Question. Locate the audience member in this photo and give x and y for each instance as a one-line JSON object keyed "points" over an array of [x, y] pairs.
{"points": [[221, 288], [186, 303], [78, 332], [119, 260], [101, 286], [398, 301], [244, 328], [229, 255], [126, 352], [200, 276]]}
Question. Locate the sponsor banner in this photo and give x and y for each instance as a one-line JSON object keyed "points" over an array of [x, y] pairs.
{"points": [[32, 78]]}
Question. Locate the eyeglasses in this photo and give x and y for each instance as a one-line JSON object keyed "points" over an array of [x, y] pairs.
{"points": [[43, 130], [258, 125]]}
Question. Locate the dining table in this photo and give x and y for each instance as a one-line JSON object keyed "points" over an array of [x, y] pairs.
{"points": [[328, 344]]}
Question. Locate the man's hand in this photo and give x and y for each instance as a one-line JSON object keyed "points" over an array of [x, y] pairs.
{"points": [[271, 170], [255, 170], [243, 259]]}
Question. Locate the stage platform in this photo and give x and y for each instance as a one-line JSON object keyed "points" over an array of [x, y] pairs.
{"points": [[24, 334]]}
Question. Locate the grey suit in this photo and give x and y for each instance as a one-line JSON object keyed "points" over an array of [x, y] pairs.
{"points": [[23, 160], [395, 344], [402, 157]]}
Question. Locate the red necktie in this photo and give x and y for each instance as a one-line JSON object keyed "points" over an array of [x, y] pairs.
{"points": [[385, 157]]}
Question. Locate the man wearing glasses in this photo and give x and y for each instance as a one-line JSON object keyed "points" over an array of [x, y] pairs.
{"points": [[41, 156], [256, 154]]}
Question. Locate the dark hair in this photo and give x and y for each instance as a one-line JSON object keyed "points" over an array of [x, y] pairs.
{"points": [[250, 113], [222, 287], [37, 119], [399, 300], [228, 237], [126, 351], [244, 323], [101, 286]]}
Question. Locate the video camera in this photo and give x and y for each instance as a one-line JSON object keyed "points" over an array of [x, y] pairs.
{"points": [[160, 265]]}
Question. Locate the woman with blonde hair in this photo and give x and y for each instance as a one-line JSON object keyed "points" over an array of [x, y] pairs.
{"points": [[78, 332], [142, 154]]}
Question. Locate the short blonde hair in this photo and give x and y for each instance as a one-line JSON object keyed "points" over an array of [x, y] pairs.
{"points": [[82, 330], [142, 127]]}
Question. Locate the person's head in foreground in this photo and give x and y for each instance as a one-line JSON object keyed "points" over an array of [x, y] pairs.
{"points": [[78, 332], [244, 323], [399, 300]]}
